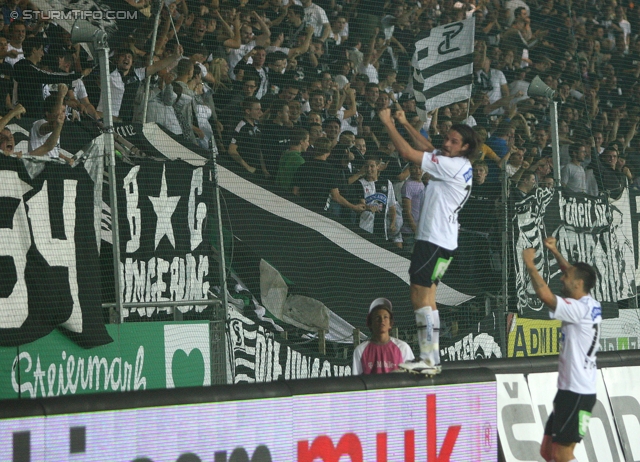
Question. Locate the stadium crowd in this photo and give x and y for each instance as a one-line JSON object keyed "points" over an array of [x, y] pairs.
{"points": [[289, 92]]}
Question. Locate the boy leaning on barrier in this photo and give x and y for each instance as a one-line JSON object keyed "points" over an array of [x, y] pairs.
{"points": [[581, 316], [382, 353]]}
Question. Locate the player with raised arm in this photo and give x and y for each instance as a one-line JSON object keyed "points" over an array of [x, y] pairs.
{"points": [[581, 316], [437, 237]]}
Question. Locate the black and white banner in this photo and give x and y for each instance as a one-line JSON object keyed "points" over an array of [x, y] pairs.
{"points": [[588, 229], [163, 206], [256, 355], [48, 255], [443, 66]]}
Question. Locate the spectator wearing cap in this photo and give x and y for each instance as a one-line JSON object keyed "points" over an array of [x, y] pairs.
{"points": [[125, 81], [382, 353]]}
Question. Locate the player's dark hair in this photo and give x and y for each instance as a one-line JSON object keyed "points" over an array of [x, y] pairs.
{"points": [[586, 274], [470, 137]]}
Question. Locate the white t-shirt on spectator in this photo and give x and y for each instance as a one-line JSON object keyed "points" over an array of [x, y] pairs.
{"points": [[315, 16], [371, 72], [236, 55], [36, 140], [574, 177], [11, 60], [497, 78]]}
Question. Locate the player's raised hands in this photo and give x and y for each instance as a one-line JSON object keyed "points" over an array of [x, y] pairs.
{"points": [[528, 255], [550, 243], [400, 116], [385, 115]]}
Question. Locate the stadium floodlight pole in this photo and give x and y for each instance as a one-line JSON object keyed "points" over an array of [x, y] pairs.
{"points": [[83, 31], [147, 80]]}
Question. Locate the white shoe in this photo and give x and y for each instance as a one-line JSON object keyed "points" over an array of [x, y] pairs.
{"points": [[419, 366]]}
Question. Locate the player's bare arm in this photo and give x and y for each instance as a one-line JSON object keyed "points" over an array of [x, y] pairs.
{"points": [[404, 148], [550, 243], [419, 141], [542, 289]]}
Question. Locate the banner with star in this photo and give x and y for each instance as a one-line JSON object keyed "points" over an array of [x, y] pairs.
{"points": [[164, 241]]}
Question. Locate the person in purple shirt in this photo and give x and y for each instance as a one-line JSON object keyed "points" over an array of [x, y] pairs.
{"points": [[412, 191], [382, 353]]}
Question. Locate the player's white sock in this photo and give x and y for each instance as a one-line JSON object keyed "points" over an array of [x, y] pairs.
{"points": [[424, 322], [436, 335]]}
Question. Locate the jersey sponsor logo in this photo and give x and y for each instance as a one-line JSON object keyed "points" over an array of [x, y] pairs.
{"points": [[377, 200], [468, 175], [596, 312]]}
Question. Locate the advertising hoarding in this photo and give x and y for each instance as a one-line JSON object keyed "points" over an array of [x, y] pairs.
{"points": [[447, 422]]}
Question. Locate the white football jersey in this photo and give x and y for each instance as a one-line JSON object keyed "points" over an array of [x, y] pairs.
{"points": [[443, 198], [579, 343]]}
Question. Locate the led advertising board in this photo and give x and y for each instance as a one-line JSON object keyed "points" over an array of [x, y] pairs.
{"points": [[438, 423]]}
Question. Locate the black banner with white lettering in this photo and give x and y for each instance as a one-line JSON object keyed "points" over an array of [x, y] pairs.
{"points": [[589, 229], [48, 255], [165, 245]]}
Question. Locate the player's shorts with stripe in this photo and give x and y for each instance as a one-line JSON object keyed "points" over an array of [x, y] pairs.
{"points": [[569, 420], [429, 262]]}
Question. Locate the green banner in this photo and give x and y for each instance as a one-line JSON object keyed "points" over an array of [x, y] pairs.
{"points": [[143, 356]]}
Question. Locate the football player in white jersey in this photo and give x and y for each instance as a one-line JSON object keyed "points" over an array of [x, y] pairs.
{"points": [[581, 316], [437, 237]]}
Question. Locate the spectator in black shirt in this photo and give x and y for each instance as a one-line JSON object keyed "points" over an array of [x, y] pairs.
{"points": [[245, 147], [276, 135], [318, 182], [30, 78]]}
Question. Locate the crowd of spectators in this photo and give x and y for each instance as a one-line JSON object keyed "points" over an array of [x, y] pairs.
{"points": [[289, 91]]}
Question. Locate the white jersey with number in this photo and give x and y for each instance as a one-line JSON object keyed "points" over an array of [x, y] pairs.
{"points": [[443, 198], [579, 343]]}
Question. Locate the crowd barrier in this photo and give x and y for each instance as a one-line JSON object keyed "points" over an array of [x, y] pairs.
{"points": [[459, 415]]}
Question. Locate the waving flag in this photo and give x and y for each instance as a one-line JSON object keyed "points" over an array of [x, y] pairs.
{"points": [[443, 66]]}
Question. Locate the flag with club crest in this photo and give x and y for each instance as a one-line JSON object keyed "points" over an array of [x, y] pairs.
{"points": [[443, 66]]}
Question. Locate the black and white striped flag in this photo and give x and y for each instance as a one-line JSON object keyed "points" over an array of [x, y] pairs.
{"points": [[443, 66]]}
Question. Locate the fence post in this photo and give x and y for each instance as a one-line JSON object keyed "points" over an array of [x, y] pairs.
{"points": [[322, 342]]}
